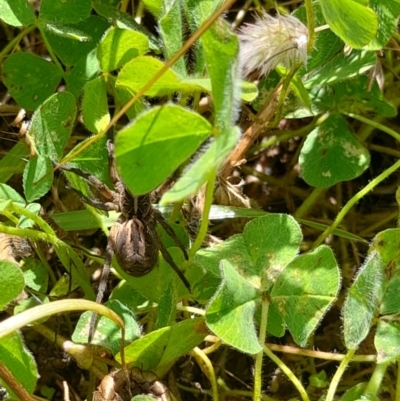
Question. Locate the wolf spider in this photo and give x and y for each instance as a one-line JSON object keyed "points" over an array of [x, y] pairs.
{"points": [[133, 238]]}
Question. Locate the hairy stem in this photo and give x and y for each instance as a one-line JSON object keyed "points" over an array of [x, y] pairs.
{"points": [[259, 357]]}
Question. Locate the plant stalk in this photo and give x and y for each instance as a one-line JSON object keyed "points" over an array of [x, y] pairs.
{"points": [[339, 373], [368, 188], [198, 353], [291, 376], [375, 382], [259, 357]]}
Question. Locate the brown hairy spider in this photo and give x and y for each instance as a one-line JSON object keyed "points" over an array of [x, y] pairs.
{"points": [[133, 237]]}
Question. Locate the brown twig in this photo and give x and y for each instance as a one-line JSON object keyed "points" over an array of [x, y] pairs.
{"points": [[251, 134], [14, 384]]}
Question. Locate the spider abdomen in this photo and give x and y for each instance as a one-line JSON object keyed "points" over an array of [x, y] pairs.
{"points": [[133, 247]]}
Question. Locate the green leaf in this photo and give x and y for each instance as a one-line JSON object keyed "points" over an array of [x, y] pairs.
{"points": [[168, 131], [352, 22], [8, 193], [16, 12], [123, 96], [108, 333], [68, 11], [305, 290], [221, 49], [391, 299], [119, 46], [332, 154], [30, 86], [64, 286], [86, 69], [19, 361], [163, 346], [35, 275], [171, 32], [166, 312], [135, 74], [387, 244], [199, 172], [72, 42], [272, 242], [205, 273], [12, 282], [125, 21], [93, 160], [352, 96], [248, 91], [362, 301], [355, 393], [38, 177], [319, 380], [13, 162], [388, 12], [154, 6], [52, 125], [387, 341], [266, 246], [96, 116], [129, 296], [342, 67], [230, 313]]}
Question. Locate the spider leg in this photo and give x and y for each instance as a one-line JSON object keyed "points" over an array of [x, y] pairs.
{"points": [[102, 288], [106, 206], [160, 219], [168, 257], [92, 179]]}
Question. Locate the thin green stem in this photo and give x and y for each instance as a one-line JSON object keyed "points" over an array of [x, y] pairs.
{"points": [[282, 95], [50, 271], [375, 125], [26, 232], [291, 376], [309, 202], [34, 217], [209, 196], [64, 252], [10, 216], [329, 356], [375, 382], [50, 50], [372, 184], [310, 25], [303, 131], [259, 357], [175, 212], [338, 375], [214, 386], [12, 43]]}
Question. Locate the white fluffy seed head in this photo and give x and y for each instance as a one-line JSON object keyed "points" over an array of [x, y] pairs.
{"points": [[271, 41]]}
